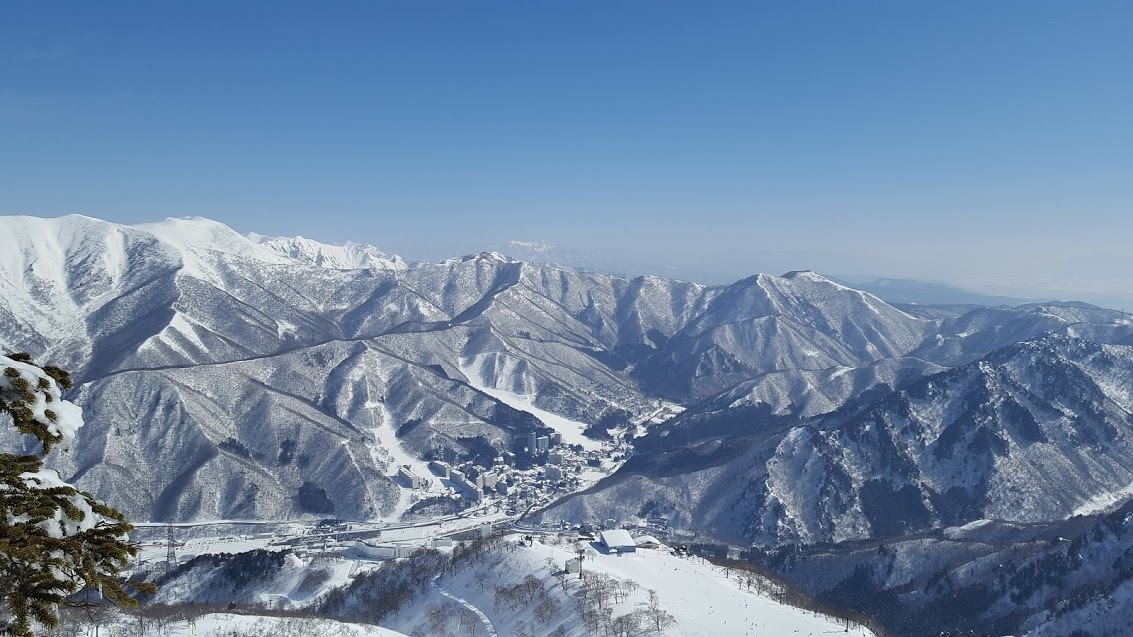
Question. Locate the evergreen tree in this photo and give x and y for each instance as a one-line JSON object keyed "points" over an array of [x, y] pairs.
{"points": [[54, 539]]}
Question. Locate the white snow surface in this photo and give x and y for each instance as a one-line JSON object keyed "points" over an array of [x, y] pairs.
{"points": [[68, 417], [1104, 501], [472, 368], [221, 624], [704, 599], [348, 256]]}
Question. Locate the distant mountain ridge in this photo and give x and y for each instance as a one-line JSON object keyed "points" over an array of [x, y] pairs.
{"points": [[585, 261], [891, 290], [926, 292]]}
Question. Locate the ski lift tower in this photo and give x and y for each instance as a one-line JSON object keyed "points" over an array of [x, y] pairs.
{"points": [[170, 549]]}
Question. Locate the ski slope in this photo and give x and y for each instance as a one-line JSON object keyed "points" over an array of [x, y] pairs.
{"points": [[703, 598], [571, 430]]}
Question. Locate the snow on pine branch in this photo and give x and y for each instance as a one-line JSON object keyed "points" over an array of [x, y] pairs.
{"points": [[41, 394]]}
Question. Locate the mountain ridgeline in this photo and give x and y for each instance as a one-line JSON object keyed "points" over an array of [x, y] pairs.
{"points": [[225, 376]]}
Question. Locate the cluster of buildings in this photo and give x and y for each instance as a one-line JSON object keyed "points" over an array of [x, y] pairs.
{"points": [[540, 466], [537, 444], [472, 488]]}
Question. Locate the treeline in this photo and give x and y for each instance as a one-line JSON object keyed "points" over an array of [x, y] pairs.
{"points": [[752, 576], [381, 593]]}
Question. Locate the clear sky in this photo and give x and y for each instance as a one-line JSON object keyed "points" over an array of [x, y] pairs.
{"points": [[956, 140]]}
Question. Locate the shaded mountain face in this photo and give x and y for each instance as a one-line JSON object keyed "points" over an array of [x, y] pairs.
{"points": [[222, 376], [766, 323], [1068, 577], [1034, 431]]}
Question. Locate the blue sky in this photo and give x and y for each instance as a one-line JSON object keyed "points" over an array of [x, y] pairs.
{"points": [[967, 141]]}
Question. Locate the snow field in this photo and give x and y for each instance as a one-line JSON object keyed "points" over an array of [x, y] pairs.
{"points": [[226, 625], [473, 370], [703, 598]]}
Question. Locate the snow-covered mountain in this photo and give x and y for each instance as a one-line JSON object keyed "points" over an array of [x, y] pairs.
{"points": [[552, 254], [1033, 436], [988, 577], [1032, 432], [766, 323], [918, 292], [227, 376], [348, 256], [231, 372]]}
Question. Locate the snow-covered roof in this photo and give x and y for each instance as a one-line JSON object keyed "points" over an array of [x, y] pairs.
{"points": [[615, 538], [645, 540]]}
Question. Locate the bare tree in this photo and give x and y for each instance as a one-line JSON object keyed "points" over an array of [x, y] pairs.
{"points": [[546, 610], [625, 625], [437, 617], [467, 618], [656, 618]]}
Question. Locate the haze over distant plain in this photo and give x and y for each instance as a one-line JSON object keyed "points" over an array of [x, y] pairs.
{"points": [[985, 144]]}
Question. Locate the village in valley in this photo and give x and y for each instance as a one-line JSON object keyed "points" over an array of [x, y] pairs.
{"points": [[442, 501]]}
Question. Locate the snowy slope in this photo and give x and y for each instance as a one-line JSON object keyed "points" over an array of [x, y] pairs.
{"points": [[704, 599], [233, 625], [348, 256], [804, 392], [1033, 432], [505, 374], [765, 323], [461, 591]]}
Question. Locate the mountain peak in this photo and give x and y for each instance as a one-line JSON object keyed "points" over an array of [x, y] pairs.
{"points": [[347, 256], [811, 275], [550, 254]]}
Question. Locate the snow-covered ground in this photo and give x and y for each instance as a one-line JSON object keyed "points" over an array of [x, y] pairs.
{"points": [[389, 452], [1104, 501], [705, 600], [218, 538], [472, 368], [224, 624]]}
